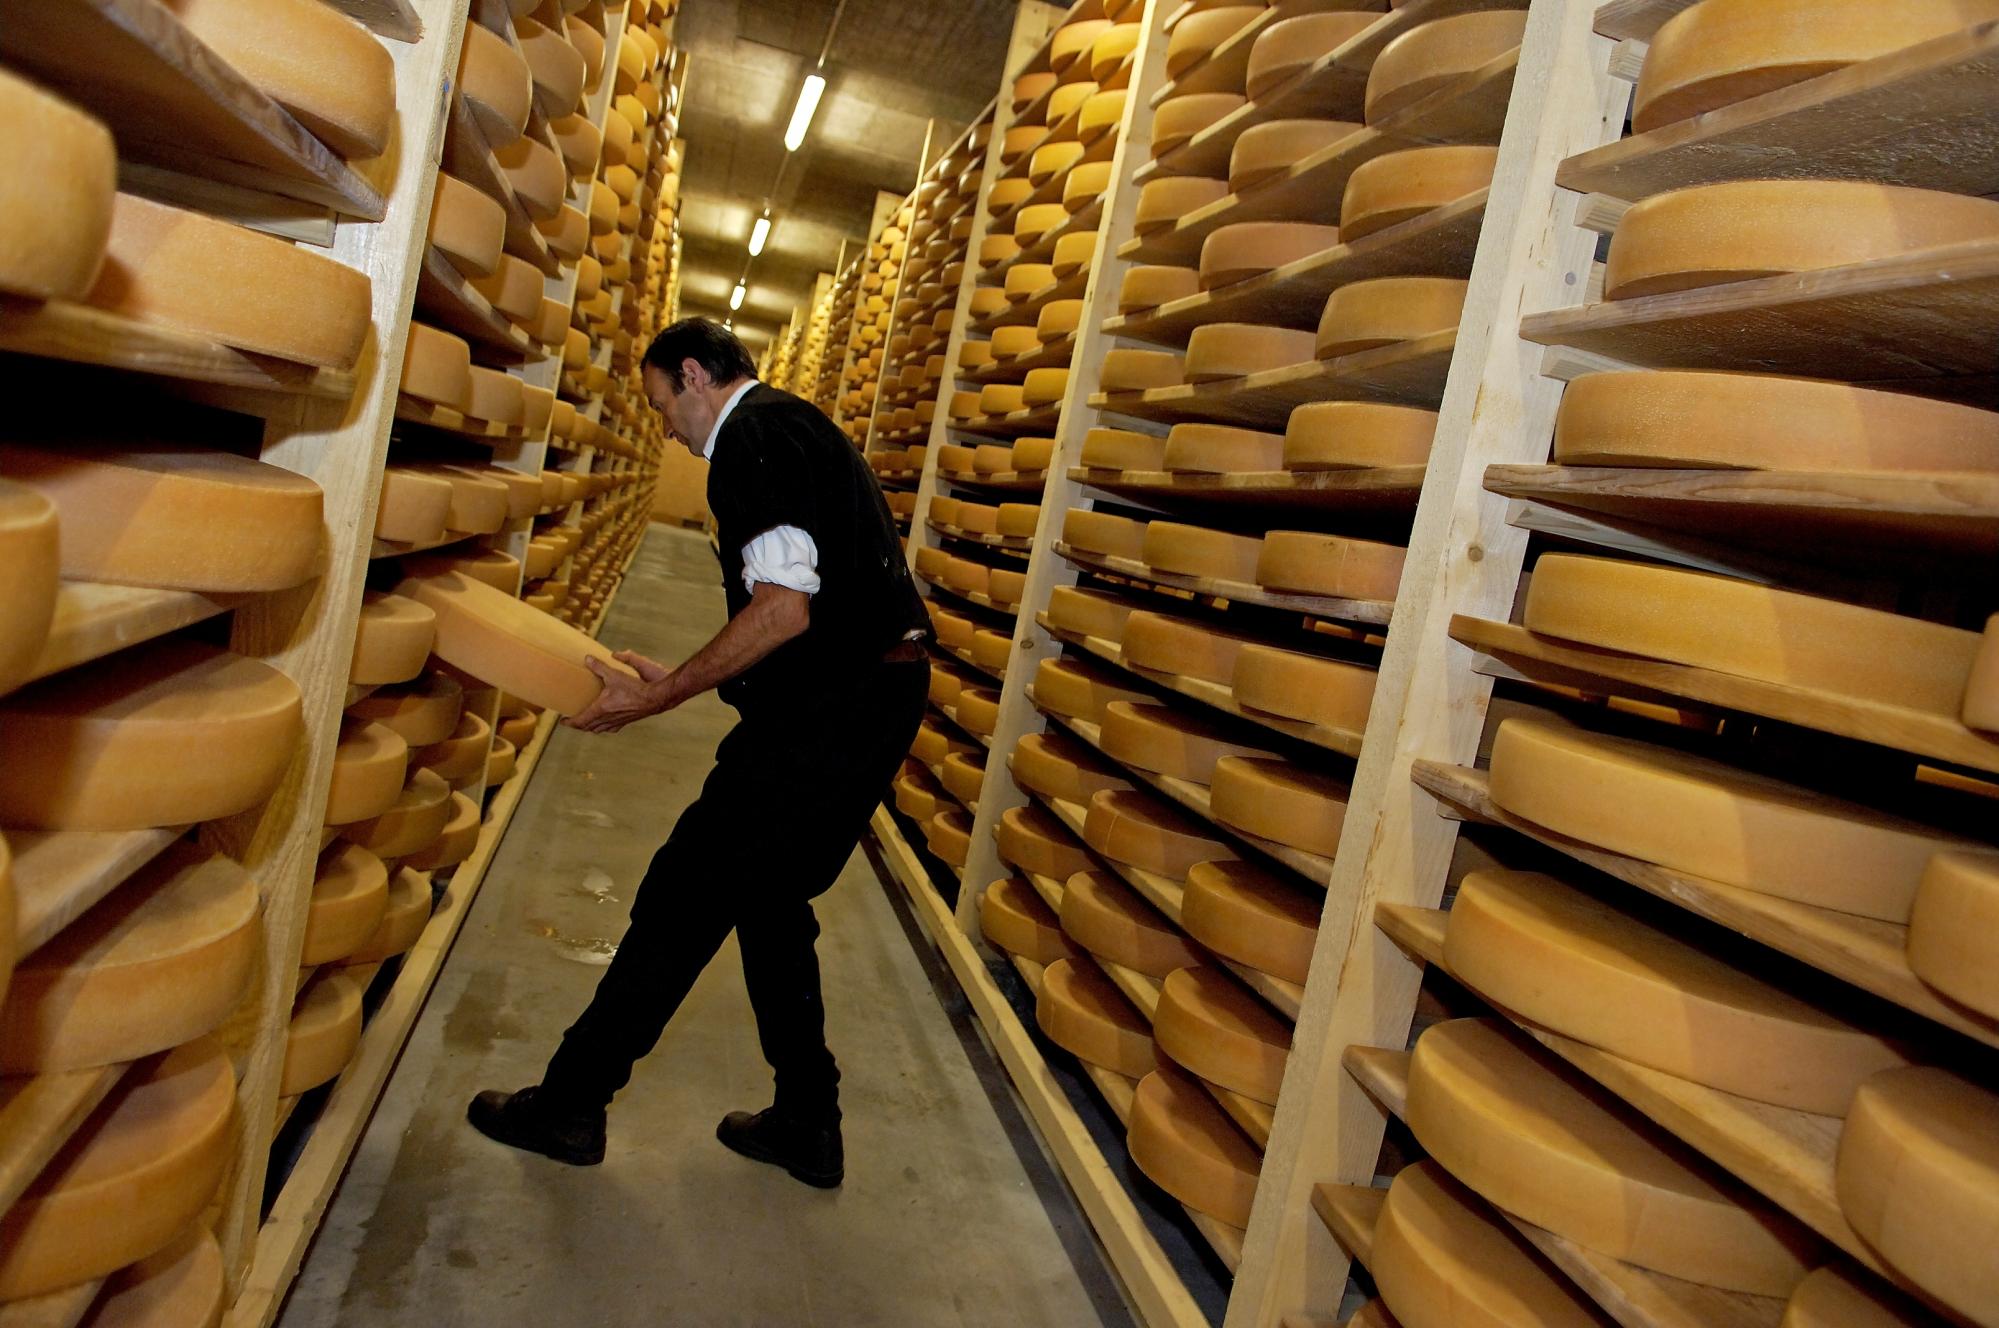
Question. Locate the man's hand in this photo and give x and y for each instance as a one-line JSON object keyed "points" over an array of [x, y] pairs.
{"points": [[625, 698]]}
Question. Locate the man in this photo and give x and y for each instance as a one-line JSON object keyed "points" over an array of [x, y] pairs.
{"points": [[823, 657]]}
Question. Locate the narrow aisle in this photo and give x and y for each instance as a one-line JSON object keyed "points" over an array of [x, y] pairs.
{"points": [[949, 1216]]}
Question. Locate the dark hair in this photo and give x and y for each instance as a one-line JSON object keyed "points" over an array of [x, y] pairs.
{"points": [[705, 342]]}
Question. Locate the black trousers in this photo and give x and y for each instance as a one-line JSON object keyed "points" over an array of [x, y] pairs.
{"points": [[776, 821]]}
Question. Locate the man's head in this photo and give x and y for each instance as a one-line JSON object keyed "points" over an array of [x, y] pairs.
{"points": [[691, 368]]}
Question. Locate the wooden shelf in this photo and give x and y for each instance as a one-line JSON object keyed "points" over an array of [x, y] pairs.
{"points": [[172, 103], [1362, 489], [1517, 652], [1866, 952], [81, 334], [1907, 321], [1020, 424], [93, 620], [1026, 312], [391, 18], [1010, 543], [1438, 243], [490, 433], [1003, 482], [1902, 118], [1054, 355], [38, 1114], [1408, 372], [1471, 109], [1350, 1213], [1927, 522], [60, 874], [1240, 592], [445, 299], [1345, 742]]}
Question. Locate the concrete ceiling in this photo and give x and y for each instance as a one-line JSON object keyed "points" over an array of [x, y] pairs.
{"points": [[893, 67]]}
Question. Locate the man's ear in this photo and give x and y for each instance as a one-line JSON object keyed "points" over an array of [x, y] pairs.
{"points": [[696, 376]]}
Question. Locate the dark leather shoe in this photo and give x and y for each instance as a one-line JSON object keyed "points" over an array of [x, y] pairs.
{"points": [[810, 1151], [521, 1120]]}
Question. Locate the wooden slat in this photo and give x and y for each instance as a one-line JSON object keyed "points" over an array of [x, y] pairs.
{"points": [[80, 334], [445, 299], [1364, 489], [1350, 1213], [38, 1114], [1408, 372], [59, 874], [391, 18], [93, 620], [1241, 592]]}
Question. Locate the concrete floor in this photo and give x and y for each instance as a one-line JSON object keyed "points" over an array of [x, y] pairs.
{"points": [[950, 1214]]}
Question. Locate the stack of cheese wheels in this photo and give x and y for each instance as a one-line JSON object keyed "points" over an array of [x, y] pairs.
{"points": [[1573, 964], [1016, 919], [1186, 1144], [58, 221], [30, 569], [163, 1136], [1541, 1142], [1083, 1012], [1736, 231], [1752, 631]]}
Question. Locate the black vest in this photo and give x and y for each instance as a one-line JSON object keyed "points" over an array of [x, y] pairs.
{"points": [[780, 462]]}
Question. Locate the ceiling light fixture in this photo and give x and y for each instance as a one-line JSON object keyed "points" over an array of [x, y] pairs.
{"points": [[736, 296], [759, 233], [801, 117]]}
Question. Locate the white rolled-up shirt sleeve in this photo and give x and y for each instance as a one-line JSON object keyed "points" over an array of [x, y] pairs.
{"points": [[784, 556]]}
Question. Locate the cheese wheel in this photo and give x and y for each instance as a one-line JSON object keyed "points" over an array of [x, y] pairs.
{"points": [[1135, 828], [1740, 230], [1247, 915], [1385, 310], [1442, 1259], [1402, 185], [1127, 369], [1252, 248], [1008, 194], [133, 1176], [1013, 342], [1019, 141], [1196, 35], [1073, 41], [1102, 114], [1044, 386], [1080, 690], [1561, 959], [412, 824], [104, 746], [1089, 612], [1034, 841], [1764, 422], [501, 762], [437, 367], [1149, 286], [1006, 588], [1265, 151], [1163, 202], [1278, 801], [1106, 917], [1084, 1013], [1338, 435], [1167, 643], [468, 226], [556, 67], [580, 142], [1037, 220], [1431, 56], [1217, 449], [1294, 685], [1235, 350], [1056, 766], [933, 744], [1171, 546], [1544, 1143], [949, 835], [369, 766], [1087, 182], [1121, 449], [536, 175], [392, 640], [460, 757], [496, 569], [1751, 631], [514, 288], [1836, 1297], [1289, 46], [1051, 160], [1024, 279], [1208, 1022], [1178, 119], [174, 518], [350, 894], [325, 1029], [954, 630], [1074, 253], [518, 730], [1030, 88], [1918, 1177], [1103, 533], [1185, 1144], [964, 776], [58, 181], [1014, 918], [459, 836], [1303, 562], [1031, 456], [1065, 101], [1113, 48], [161, 961], [1739, 49], [423, 712], [210, 278], [1167, 741], [180, 1286], [30, 568], [1714, 820], [1018, 520], [332, 74], [568, 234], [1951, 928], [495, 637], [494, 75], [978, 710], [916, 801]]}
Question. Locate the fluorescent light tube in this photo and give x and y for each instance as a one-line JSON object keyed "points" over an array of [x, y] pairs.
{"points": [[736, 296], [801, 117], [758, 234]]}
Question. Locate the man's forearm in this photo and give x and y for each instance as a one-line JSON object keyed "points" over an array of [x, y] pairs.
{"points": [[773, 616]]}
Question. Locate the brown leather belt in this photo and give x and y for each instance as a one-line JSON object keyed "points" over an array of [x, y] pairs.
{"points": [[903, 652]]}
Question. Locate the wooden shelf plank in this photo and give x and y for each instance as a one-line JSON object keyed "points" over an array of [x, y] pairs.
{"points": [[1361, 489], [1924, 519], [93, 620], [1908, 320], [391, 18], [60, 874], [1902, 118], [1350, 1213], [1007, 482], [1241, 592], [171, 102], [1438, 243], [1054, 355], [80, 334], [1866, 952], [38, 1114], [1408, 372], [1010, 543], [1515, 648], [1020, 424]]}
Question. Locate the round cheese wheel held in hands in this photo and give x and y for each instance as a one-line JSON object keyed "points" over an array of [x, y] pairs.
{"points": [[521, 650], [58, 179], [105, 746], [30, 570]]}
